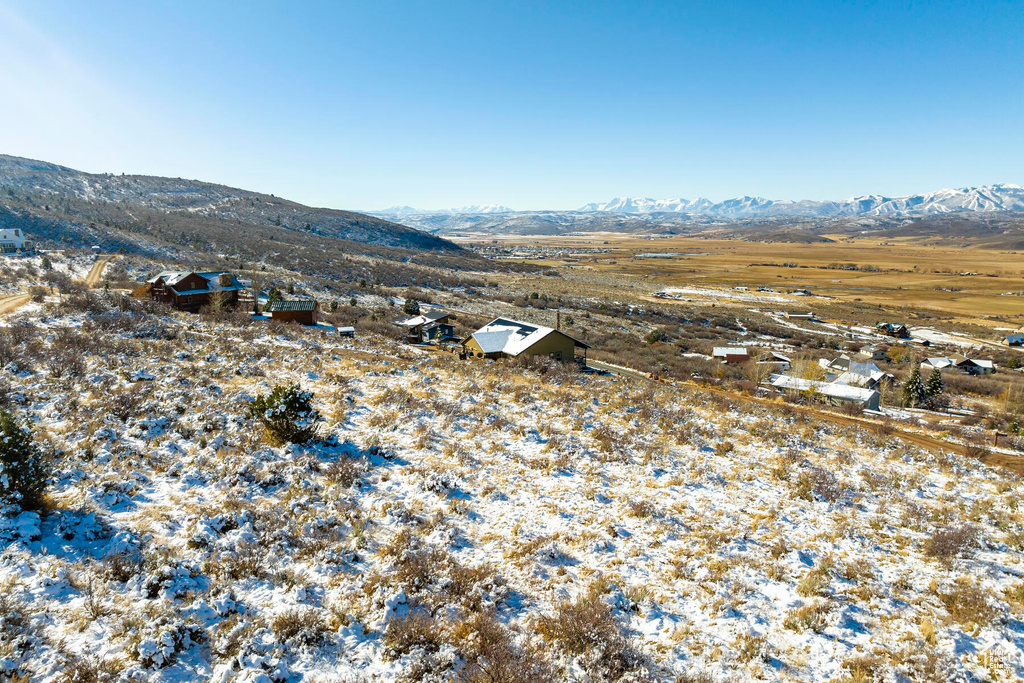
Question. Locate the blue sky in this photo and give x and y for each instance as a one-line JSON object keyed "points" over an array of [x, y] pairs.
{"points": [[442, 104]]}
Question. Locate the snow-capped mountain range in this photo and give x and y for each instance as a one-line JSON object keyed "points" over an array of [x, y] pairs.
{"points": [[988, 198], [410, 211], [1000, 197]]}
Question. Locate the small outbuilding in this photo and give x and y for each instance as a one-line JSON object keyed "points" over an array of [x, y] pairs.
{"points": [[301, 311]]}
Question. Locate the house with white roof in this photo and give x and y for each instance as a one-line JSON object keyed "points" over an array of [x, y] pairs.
{"points": [[507, 338], [731, 354], [845, 370], [964, 364], [829, 392], [429, 324]]}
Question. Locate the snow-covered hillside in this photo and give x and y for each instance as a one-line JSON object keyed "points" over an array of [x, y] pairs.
{"points": [[475, 521]]}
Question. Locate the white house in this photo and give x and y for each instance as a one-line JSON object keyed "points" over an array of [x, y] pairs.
{"points": [[13, 240], [828, 391]]}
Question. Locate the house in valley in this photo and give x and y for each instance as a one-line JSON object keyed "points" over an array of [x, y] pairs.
{"points": [[1014, 340], [431, 324], [190, 291], [961, 363], [14, 240], [774, 359], [301, 311], [828, 392], [870, 353], [731, 354], [846, 370], [893, 330], [507, 338]]}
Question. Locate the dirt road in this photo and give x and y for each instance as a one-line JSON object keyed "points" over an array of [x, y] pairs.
{"points": [[96, 274], [11, 303], [1011, 462]]}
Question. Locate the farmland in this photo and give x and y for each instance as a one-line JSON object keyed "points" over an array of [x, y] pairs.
{"points": [[896, 273]]}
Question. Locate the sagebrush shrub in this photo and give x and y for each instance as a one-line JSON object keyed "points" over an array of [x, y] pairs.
{"points": [[24, 473], [950, 543], [287, 414]]}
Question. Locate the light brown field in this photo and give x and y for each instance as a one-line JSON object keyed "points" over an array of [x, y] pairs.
{"points": [[910, 273]]}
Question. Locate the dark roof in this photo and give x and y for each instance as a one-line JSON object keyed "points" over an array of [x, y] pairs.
{"points": [[298, 305], [435, 314]]}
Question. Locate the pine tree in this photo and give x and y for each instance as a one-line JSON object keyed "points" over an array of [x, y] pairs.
{"points": [[914, 392], [24, 473], [411, 307], [934, 386]]}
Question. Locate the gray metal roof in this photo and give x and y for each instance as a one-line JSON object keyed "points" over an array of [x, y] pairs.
{"points": [[296, 305]]}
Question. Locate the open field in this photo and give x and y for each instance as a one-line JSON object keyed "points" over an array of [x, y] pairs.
{"points": [[901, 273]]}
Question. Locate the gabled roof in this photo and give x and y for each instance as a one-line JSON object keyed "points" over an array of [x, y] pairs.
{"points": [[730, 351], [842, 391], [842, 363], [864, 369], [512, 337], [1015, 339], [775, 357], [294, 305], [424, 318], [172, 278]]}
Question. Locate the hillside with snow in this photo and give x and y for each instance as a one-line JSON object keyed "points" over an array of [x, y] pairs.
{"points": [[472, 521]]}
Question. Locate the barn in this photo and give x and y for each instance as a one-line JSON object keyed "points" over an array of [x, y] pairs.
{"points": [[301, 311]]}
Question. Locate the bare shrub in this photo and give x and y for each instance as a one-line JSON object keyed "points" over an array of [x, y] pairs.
{"points": [[587, 627], [345, 472], [952, 542], [418, 629], [122, 566], [300, 627], [492, 655], [968, 604], [129, 402], [819, 483], [78, 669], [642, 509], [812, 616], [975, 447], [248, 561]]}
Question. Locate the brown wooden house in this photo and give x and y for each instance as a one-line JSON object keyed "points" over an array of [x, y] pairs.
{"points": [[301, 311], [191, 291]]}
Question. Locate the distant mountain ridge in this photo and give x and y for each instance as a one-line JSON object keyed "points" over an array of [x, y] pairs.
{"points": [[1000, 197], [478, 209]]}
